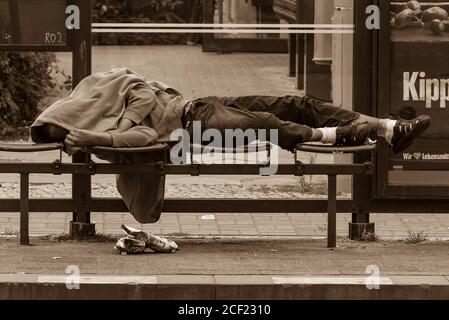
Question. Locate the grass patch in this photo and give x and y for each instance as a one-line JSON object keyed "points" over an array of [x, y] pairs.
{"points": [[415, 237], [315, 188], [9, 232], [369, 236], [177, 234], [98, 237]]}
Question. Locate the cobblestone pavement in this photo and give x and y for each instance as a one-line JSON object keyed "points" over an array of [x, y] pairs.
{"points": [[307, 225], [192, 190], [199, 74]]}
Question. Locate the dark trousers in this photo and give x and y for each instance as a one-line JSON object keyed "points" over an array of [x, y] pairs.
{"points": [[292, 116]]}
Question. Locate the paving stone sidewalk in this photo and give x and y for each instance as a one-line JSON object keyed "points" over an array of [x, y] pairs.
{"points": [[284, 225]]}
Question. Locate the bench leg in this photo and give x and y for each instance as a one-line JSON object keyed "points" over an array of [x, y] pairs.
{"points": [[81, 227], [360, 228], [24, 209], [332, 211], [300, 62], [292, 52]]}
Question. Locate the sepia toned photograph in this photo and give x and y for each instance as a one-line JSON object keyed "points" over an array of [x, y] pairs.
{"points": [[224, 156]]}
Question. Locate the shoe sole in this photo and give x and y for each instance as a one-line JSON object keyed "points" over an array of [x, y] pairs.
{"points": [[406, 141], [139, 234]]}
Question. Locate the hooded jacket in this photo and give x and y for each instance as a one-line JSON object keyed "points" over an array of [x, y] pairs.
{"points": [[98, 103]]}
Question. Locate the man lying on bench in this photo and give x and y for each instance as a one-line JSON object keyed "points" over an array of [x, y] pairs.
{"points": [[120, 108]]}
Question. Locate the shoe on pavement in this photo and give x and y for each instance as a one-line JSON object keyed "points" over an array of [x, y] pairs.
{"points": [[161, 244], [130, 245], [136, 233], [155, 243]]}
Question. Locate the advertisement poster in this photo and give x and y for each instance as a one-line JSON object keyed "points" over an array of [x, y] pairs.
{"points": [[420, 77]]}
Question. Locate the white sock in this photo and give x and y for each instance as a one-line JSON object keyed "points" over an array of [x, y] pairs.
{"points": [[386, 129], [329, 135]]}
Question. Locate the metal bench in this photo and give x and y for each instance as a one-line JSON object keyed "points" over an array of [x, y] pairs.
{"points": [[161, 166]]}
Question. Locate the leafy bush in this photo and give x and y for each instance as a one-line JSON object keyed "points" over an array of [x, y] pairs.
{"points": [[141, 11], [25, 78]]}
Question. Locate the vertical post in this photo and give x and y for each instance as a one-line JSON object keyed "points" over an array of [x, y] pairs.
{"points": [[302, 77], [24, 209], [363, 88], [221, 11], [82, 44], [332, 211], [300, 61], [14, 19], [300, 49], [292, 52], [208, 17], [82, 67]]}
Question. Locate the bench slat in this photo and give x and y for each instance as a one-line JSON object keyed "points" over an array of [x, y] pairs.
{"points": [[252, 148], [321, 148], [17, 147], [150, 149]]}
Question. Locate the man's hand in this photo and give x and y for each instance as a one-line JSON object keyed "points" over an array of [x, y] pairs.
{"points": [[82, 138], [76, 139], [72, 150]]}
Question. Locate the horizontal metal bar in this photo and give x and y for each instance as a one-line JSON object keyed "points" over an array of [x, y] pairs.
{"points": [[221, 25], [36, 47], [200, 31], [40, 205], [181, 205], [247, 205], [211, 169], [419, 206], [421, 3]]}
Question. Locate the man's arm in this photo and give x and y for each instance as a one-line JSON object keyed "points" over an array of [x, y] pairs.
{"points": [[140, 102], [123, 125], [138, 136], [78, 138]]}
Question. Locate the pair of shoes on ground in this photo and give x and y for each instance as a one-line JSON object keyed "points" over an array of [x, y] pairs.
{"points": [[137, 241], [405, 132]]}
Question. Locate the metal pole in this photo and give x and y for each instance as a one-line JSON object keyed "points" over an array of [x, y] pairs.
{"points": [[292, 52], [14, 20], [363, 101], [220, 11], [82, 67], [24, 209], [332, 211], [82, 44]]}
